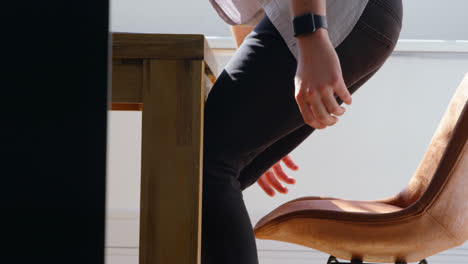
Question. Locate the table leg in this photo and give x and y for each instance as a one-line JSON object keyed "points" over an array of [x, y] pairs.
{"points": [[171, 161]]}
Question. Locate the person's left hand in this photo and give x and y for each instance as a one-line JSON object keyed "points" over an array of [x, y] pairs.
{"points": [[269, 180]]}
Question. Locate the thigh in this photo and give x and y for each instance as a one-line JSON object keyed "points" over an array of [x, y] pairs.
{"points": [[252, 104], [371, 41], [361, 54]]}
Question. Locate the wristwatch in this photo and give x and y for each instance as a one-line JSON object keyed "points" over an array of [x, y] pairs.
{"points": [[308, 23]]}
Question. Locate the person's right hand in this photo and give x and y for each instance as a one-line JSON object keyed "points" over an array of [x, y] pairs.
{"points": [[269, 180], [318, 78]]}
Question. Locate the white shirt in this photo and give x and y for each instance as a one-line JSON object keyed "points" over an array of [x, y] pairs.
{"points": [[342, 16]]}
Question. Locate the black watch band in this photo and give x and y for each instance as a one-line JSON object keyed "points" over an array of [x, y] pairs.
{"points": [[308, 23]]}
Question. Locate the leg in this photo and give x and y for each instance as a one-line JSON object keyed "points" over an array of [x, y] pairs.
{"points": [[251, 107], [251, 95], [361, 55]]}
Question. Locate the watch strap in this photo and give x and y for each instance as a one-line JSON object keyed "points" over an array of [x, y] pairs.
{"points": [[308, 23]]}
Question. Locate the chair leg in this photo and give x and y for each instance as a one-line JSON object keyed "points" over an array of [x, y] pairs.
{"points": [[334, 260]]}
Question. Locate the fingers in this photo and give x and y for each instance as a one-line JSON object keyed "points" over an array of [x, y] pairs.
{"points": [[331, 104], [318, 108], [319, 105], [306, 112], [342, 91], [269, 180], [270, 177], [280, 174], [289, 163], [265, 185]]}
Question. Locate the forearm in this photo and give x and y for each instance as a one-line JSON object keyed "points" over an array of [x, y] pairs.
{"points": [[240, 32], [318, 75]]}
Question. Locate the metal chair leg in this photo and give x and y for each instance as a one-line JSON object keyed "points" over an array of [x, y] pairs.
{"points": [[334, 260]]}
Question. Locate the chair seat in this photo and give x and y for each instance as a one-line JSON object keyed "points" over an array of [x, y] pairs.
{"points": [[322, 208], [350, 229], [329, 204]]}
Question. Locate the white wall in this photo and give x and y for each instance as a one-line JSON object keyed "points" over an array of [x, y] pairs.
{"points": [[371, 152], [423, 19]]}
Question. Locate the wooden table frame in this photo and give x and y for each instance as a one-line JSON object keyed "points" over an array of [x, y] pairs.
{"points": [[164, 76]]}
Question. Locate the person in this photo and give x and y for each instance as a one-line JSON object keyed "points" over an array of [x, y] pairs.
{"points": [[273, 93]]}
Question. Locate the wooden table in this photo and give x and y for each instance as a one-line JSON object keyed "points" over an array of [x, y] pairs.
{"points": [[164, 75]]}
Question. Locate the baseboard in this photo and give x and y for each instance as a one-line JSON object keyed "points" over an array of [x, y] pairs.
{"points": [[122, 232], [130, 256]]}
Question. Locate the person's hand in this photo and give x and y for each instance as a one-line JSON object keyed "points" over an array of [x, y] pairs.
{"points": [[269, 180], [318, 78]]}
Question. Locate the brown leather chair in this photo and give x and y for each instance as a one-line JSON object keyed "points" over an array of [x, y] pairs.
{"points": [[429, 216]]}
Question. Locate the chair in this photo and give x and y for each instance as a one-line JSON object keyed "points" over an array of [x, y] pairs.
{"points": [[429, 216]]}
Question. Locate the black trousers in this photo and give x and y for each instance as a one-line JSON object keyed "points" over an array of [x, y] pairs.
{"points": [[252, 120]]}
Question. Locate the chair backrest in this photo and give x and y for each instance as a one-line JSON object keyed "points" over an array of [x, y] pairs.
{"points": [[425, 172], [440, 184], [446, 198]]}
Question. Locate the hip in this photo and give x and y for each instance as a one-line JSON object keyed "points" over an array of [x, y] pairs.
{"points": [[382, 20]]}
